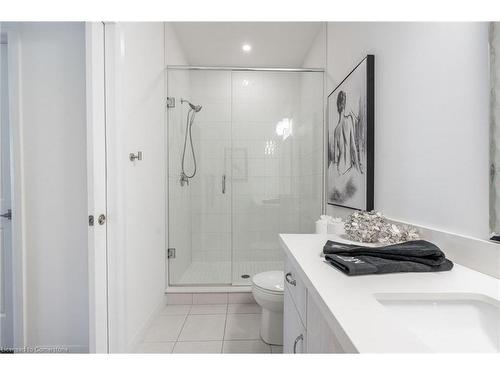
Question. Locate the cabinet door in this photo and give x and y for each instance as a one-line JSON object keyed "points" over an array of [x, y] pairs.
{"points": [[294, 333], [320, 337], [297, 289]]}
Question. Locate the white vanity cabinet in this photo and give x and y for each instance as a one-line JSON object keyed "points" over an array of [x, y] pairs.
{"points": [[320, 337], [294, 331], [305, 329]]}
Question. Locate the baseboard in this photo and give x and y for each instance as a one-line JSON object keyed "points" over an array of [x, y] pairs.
{"points": [[209, 289]]}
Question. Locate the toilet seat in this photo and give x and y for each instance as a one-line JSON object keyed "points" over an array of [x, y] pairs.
{"points": [[270, 282]]}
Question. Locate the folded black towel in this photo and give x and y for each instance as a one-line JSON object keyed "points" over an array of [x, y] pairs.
{"points": [[411, 256]]}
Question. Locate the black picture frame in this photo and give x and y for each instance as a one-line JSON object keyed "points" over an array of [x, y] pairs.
{"points": [[368, 141]]}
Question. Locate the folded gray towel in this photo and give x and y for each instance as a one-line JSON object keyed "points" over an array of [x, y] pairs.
{"points": [[411, 256]]}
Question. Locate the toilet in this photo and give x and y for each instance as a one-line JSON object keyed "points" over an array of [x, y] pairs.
{"points": [[267, 289]]}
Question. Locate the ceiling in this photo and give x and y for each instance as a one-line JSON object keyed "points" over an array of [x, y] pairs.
{"points": [[274, 44]]}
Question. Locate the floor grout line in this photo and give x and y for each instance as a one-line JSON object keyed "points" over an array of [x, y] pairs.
{"points": [[180, 332], [224, 333]]}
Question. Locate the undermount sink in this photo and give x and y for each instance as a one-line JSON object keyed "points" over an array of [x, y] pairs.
{"points": [[448, 322]]}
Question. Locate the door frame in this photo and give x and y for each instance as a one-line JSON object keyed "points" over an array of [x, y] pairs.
{"points": [[97, 187]]}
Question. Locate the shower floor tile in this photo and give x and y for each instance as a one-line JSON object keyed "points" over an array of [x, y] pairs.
{"points": [[220, 272], [251, 269], [207, 273]]}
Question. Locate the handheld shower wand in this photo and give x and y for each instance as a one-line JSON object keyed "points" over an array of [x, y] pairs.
{"points": [[193, 110]]}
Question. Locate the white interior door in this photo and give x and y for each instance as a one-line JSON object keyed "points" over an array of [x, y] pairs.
{"points": [[125, 114], [6, 301]]}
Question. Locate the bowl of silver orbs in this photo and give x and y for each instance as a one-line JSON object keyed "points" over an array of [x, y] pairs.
{"points": [[373, 227]]}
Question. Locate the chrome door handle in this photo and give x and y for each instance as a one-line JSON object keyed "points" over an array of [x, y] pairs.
{"points": [[289, 280], [299, 338], [223, 184]]}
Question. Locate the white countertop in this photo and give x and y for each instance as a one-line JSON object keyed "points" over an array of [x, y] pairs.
{"points": [[350, 300]]}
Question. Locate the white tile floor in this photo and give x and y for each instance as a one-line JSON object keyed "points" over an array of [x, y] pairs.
{"points": [[203, 328]]}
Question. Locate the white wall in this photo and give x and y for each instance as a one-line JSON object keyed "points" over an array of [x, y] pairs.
{"points": [[135, 121], [316, 56], [174, 54], [431, 118], [308, 135], [311, 133], [52, 69]]}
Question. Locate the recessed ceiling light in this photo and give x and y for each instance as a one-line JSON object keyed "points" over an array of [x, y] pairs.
{"points": [[246, 47]]}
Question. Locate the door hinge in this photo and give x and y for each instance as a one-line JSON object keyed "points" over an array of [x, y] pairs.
{"points": [[171, 253]]}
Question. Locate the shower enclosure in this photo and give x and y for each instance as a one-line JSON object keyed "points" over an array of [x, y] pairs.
{"points": [[258, 142]]}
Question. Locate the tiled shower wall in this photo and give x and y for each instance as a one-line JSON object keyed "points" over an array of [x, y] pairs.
{"points": [[210, 207]]}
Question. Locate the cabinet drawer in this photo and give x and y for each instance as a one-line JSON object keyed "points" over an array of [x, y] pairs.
{"points": [[297, 290], [294, 332]]}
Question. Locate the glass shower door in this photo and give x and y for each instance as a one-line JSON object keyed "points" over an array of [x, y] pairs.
{"points": [[199, 212], [264, 110], [277, 164]]}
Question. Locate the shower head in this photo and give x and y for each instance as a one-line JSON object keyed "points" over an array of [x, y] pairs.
{"points": [[196, 108]]}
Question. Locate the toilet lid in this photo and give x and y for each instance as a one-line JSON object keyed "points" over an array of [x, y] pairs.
{"points": [[270, 280]]}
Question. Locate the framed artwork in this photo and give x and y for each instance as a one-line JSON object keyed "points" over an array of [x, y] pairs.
{"points": [[351, 139]]}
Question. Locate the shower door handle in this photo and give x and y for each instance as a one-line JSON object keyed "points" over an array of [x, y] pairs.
{"points": [[223, 184]]}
